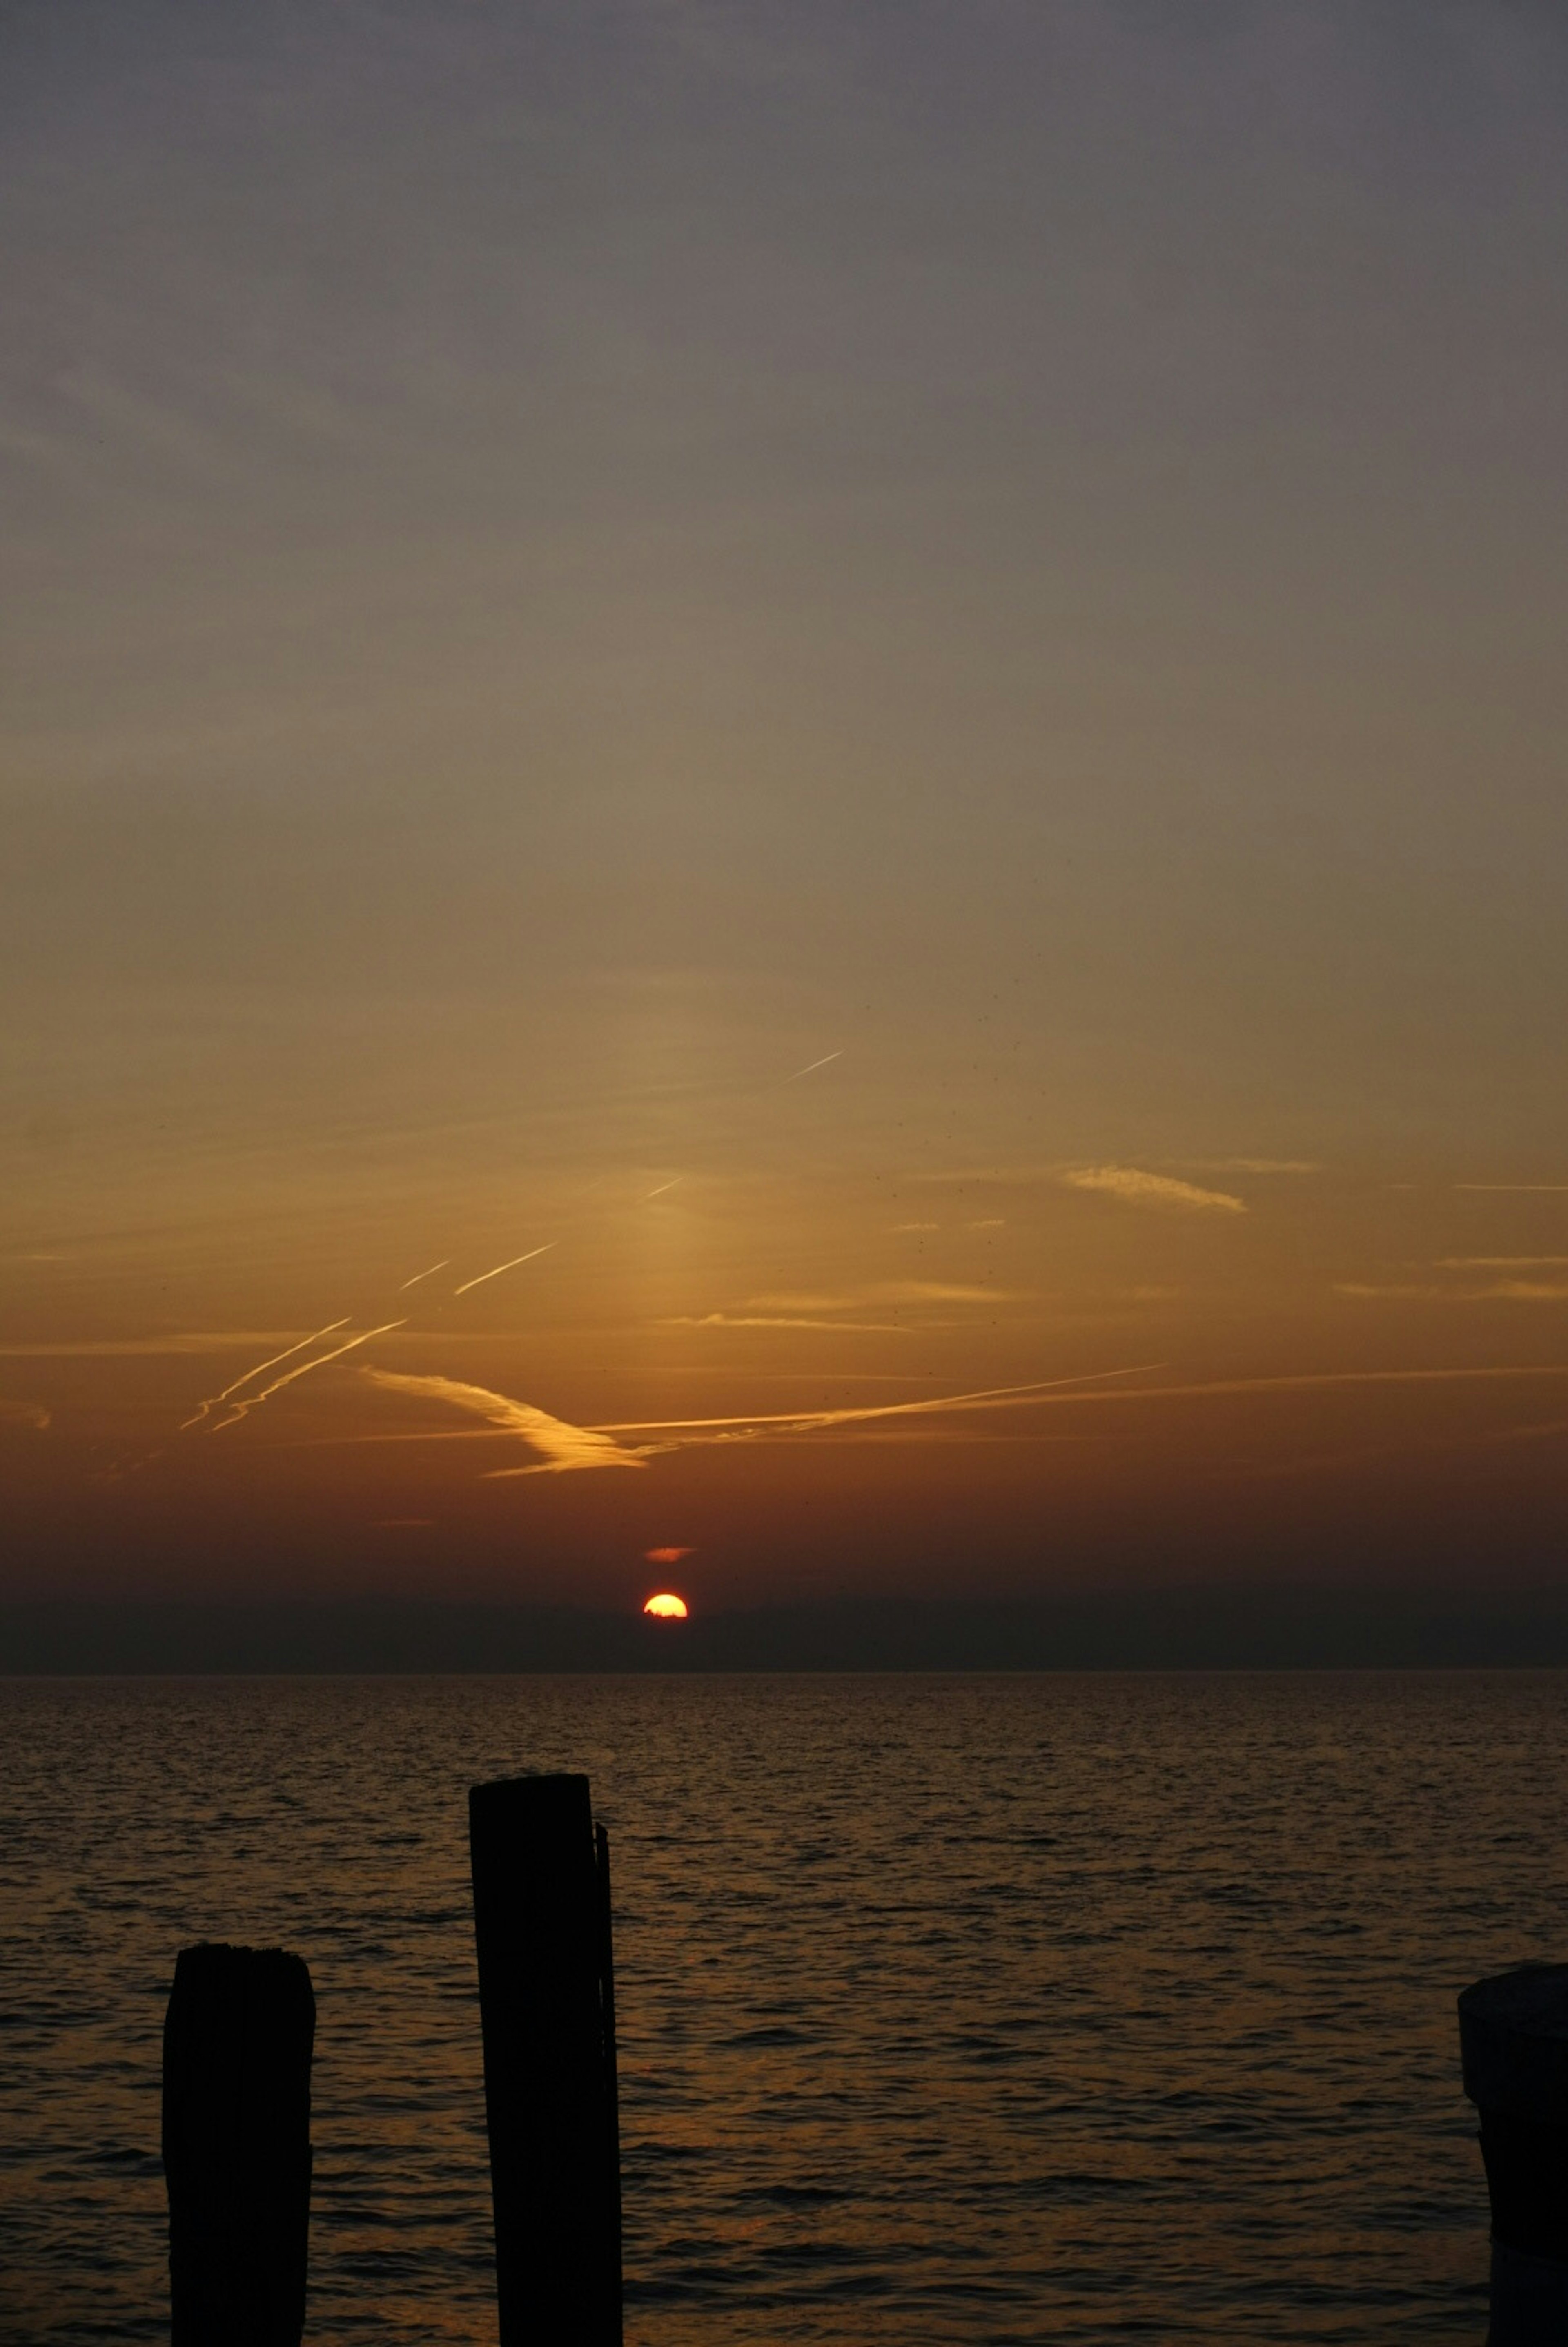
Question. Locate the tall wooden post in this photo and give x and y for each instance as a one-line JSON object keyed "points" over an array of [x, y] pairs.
{"points": [[237, 2045], [1513, 2039], [546, 2001]]}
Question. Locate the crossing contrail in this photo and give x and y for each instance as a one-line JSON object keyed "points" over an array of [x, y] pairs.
{"points": [[202, 1407], [243, 1408]]}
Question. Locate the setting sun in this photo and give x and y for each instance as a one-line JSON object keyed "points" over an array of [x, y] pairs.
{"points": [[666, 1607]]}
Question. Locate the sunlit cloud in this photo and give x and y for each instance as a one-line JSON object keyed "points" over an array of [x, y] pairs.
{"points": [[562, 1447], [665, 1555], [916, 1226], [1137, 1188], [24, 1413]]}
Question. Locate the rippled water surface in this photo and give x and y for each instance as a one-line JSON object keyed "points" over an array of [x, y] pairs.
{"points": [[951, 2009]]}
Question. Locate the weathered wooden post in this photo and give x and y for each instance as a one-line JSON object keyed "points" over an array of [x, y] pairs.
{"points": [[547, 2001], [1513, 2039], [237, 2044]]}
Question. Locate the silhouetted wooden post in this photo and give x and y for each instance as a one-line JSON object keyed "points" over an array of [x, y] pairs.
{"points": [[237, 2044], [546, 2001], [1513, 2038]]}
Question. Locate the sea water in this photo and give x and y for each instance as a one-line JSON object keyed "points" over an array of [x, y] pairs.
{"points": [[981, 2009]]}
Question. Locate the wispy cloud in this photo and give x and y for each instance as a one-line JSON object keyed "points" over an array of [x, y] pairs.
{"points": [[942, 1291], [1499, 1262], [562, 1448], [1255, 1164], [24, 1413], [1392, 1291], [1137, 1188], [1496, 1291], [178, 1345], [1526, 1189]]}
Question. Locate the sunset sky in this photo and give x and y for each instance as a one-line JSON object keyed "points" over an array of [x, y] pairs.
{"points": [[878, 690]]}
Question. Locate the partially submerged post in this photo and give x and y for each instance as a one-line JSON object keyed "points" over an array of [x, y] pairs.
{"points": [[237, 2044], [1513, 2038], [546, 1999]]}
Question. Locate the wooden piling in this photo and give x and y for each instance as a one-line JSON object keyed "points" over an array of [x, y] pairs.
{"points": [[1513, 2038], [546, 1997], [237, 2044]]}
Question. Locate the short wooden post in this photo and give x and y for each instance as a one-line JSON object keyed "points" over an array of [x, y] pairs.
{"points": [[237, 2045], [546, 2001], [1513, 2039]]}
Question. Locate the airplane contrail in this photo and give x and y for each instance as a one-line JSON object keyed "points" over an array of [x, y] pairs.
{"points": [[243, 1408], [812, 1067], [660, 1191], [803, 1420], [509, 1265], [425, 1275], [202, 1408]]}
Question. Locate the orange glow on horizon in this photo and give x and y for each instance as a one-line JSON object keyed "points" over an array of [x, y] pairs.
{"points": [[666, 1607]]}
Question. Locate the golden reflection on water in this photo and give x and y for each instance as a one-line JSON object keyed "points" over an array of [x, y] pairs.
{"points": [[963, 2009]]}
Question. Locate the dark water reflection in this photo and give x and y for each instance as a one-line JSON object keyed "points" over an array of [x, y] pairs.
{"points": [[951, 2009]]}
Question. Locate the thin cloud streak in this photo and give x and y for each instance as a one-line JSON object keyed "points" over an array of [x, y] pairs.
{"points": [[986, 1398], [248, 1402], [811, 1067], [147, 1349], [1499, 1262], [425, 1275], [510, 1265], [203, 1408], [786, 1321]]}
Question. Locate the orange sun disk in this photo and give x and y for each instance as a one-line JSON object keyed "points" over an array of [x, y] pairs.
{"points": [[666, 1607]]}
